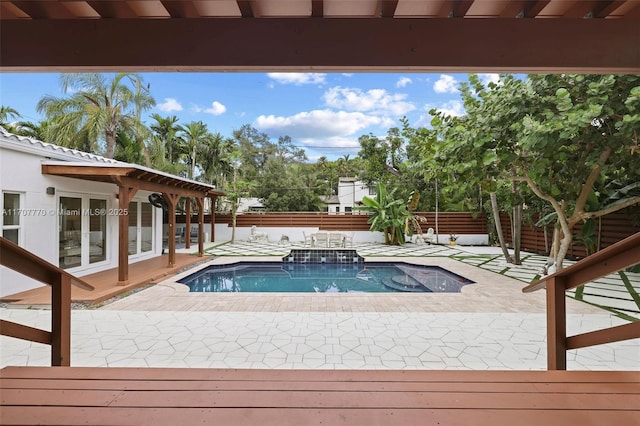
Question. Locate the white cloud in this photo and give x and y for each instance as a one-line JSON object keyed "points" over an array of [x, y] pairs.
{"points": [[297, 79], [377, 101], [318, 123], [403, 81], [446, 84], [453, 108], [216, 108], [170, 105], [489, 78]]}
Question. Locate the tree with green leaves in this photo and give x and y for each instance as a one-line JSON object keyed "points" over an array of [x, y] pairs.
{"points": [[165, 144], [96, 108], [6, 115], [194, 136], [565, 136], [389, 214], [215, 159]]}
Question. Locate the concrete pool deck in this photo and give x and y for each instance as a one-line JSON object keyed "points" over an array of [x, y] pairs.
{"points": [[490, 325]]}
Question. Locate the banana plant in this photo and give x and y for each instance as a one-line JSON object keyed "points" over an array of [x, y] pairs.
{"points": [[388, 215]]}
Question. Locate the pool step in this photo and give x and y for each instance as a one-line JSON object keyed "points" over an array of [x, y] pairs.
{"points": [[405, 283]]}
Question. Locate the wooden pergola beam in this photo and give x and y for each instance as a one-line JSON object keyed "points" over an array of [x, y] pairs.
{"points": [[327, 44]]}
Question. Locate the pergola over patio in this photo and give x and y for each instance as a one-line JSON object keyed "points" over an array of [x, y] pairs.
{"points": [[581, 36], [130, 178]]}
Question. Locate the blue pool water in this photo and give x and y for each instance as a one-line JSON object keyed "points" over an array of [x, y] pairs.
{"points": [[324, 278]]}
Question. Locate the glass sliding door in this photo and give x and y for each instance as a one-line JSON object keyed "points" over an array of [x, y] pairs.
{"points": [[82, 231], [70, 232], [133, 228], [146, 227], [140, 227], [97, 230]]}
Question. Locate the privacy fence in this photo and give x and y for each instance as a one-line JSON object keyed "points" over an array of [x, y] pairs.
{"points": [[610, 229]]}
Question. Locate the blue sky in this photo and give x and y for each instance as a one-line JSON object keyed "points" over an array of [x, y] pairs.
{"points": [[324, 113]]}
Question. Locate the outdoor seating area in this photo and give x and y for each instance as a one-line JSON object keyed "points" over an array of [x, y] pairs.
{"points": [[329, 239]]}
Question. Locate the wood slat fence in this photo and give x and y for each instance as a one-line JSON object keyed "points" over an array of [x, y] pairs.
{"points": [[611, 228]]}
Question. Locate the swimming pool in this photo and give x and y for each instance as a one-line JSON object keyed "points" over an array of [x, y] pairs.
{"points": [[325, 278]]}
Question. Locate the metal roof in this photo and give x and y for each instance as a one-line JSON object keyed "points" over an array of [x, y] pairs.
{"points": [[329, 35]]}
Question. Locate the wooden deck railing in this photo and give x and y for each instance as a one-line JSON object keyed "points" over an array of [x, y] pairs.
{"points": [[30, 265], [614, 258]]}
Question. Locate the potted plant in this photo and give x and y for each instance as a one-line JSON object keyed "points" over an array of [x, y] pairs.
{"points": [[452, 239]]}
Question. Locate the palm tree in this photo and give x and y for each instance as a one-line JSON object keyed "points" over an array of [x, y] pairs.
{"points": [[166, 130], [96, 106], [195, 135], [6, 114], [215, 159]]}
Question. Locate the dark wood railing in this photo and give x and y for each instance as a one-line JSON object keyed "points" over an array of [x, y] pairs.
{"points": [[613, 258], [26, 263]]}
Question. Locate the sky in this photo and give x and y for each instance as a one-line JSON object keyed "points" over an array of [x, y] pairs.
{"points": [[324, 113]]}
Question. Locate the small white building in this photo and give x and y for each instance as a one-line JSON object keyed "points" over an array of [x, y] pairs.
{"points": [[62, 205]]}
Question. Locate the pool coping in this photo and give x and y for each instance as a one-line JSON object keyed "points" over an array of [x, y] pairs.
{"points": [[491, 292]]}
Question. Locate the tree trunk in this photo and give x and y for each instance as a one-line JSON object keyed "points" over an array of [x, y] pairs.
{"points": [[516, 229], [111, 144], [496, 219], [233, 224]]}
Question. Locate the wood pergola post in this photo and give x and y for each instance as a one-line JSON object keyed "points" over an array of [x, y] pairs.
{"points": [[172, 201], [213, 218], [187, 230], [125, 194], [200, 201]]}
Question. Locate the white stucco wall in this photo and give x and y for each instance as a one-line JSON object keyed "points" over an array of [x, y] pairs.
{"points": [[21, 172]]}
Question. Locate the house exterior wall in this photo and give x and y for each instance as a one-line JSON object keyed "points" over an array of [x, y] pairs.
{"points": [[39, 216], [351, 192]]}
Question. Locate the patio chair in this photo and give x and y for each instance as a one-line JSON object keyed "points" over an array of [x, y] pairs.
{"points": [[348, 239], [322, 239], [179, 234], [336, 239], [257, 235], [194, 233], [308, 239]]}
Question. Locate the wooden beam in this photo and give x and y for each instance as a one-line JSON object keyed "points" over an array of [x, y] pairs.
{"points": [[317, 8], [172, 201], [26, 263], [517, 45], [246, 10], [175, 187], [24, 332], [61, 321], [72, 170], [187, 221], [181, 9], [616, 257], [200, 201], [125, 195], [533, 8], [556, 325], [387, 8], [607, 335]]}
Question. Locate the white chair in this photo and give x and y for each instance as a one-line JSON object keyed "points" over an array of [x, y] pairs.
{"points": [[430, 236], [308, 239], [257, 235], [322, 239], [336, 239], [348, 239]]}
